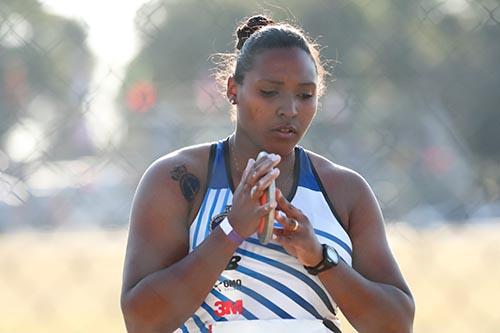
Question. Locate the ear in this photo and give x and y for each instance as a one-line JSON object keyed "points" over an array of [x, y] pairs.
{"points": [[232, 90]]}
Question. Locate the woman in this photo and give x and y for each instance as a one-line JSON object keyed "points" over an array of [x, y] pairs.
{"points": [[192, 236]]}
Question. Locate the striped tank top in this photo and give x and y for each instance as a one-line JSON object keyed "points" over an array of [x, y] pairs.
{"points": [[263, 282]]}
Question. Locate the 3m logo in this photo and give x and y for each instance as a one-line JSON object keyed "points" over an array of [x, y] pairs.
{"points": [[223, 308]]}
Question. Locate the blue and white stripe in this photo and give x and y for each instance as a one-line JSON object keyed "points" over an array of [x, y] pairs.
{"points": [[274, 284]]}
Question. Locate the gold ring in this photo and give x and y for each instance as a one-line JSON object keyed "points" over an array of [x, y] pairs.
{"points": [[295, 226]]}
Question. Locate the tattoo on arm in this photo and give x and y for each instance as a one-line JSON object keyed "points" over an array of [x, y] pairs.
{"points": [[189, 183]]}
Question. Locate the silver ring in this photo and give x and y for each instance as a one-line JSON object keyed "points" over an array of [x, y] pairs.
{"points": [[295, 226]]}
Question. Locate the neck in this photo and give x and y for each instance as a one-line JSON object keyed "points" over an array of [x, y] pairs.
{"points": [[241, 150]]}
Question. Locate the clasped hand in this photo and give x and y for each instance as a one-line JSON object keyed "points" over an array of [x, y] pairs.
{"points": [[296, 234]]}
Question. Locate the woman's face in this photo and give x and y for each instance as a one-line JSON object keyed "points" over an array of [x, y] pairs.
{"points": [[277, 99]]}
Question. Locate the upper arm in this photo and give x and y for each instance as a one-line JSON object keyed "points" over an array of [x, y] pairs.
{"points": [[372, 256], [361, 217], [159, 226]]}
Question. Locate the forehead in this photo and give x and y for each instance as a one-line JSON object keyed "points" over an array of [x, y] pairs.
{"points": [[283, 64]]}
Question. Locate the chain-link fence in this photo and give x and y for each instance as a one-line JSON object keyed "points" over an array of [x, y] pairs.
{"points": [[412, 104]]}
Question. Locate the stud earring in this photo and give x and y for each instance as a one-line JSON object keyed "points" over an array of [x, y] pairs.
{"points": [[232, 100]]}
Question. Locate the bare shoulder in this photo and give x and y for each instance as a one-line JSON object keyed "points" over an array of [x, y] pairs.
{"points": [[167, 194], [188, 160], [176, 177], [356, 203], [343, 185], [331, 169]]}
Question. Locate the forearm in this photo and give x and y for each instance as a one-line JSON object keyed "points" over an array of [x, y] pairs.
{"points": [[163, 300], [369, 306]]}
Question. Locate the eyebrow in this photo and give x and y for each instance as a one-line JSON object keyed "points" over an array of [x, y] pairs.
{"points": [[281, 82]]}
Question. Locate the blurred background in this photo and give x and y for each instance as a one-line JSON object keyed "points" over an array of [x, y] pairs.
{"points": [[91, 92]]}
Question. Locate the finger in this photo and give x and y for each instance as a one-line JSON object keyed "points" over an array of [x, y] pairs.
{"points": [[265, 209], [284, 241], [278, 231], [284, 205], [263, 183], [268, 158], [281, 218], [264, 165], [288, 224], [246, 172]]}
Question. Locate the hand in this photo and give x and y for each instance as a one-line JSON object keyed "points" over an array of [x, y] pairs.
{"points": [[246, 208], [298, 238]]}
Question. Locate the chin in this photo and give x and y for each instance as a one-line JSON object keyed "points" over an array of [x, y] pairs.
{"points": [[282, 149]]}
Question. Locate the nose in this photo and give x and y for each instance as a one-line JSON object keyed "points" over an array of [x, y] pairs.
{"points": [[288, 107]]}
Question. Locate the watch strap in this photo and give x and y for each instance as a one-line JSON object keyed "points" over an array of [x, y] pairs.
{"points": [[323, 265]]}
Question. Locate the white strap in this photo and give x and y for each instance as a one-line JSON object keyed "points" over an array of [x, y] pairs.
{"points": [[226, 226]]}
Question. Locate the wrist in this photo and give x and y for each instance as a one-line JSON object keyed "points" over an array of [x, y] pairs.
{"points": [[330, 259], [230, 233], [315, 256]]}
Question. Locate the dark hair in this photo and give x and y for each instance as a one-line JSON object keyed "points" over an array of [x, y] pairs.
{"points": [[259, 33]]}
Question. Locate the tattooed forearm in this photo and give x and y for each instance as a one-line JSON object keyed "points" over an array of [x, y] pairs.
{"points": [[189, 183]]}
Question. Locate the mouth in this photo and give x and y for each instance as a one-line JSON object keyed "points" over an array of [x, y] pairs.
{"points": [[286, 129]]}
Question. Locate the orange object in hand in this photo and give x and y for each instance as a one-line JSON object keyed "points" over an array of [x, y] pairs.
{"points": [[265, 229]]}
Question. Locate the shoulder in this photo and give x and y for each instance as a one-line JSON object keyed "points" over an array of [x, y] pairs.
{"points": [[189, 160], [343, 185], [192, 156], [168, 192], [177, 177]]}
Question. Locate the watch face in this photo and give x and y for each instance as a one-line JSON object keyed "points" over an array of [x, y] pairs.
{"points": [[332, 255]]}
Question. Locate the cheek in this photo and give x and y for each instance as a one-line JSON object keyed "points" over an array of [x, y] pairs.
{"points": [[255, 107], [250, 113], [309, 109]]}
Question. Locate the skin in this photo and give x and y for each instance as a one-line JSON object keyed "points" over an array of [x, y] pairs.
{"points": [[163, 285]]}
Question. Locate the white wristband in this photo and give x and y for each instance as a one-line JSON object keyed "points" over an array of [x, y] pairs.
{"points": [[230, 232]]}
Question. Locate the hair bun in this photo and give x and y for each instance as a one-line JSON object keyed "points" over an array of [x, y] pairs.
{"points": [[253, 24]]}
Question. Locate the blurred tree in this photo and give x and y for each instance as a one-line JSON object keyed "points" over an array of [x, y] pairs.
{"points": [[416, 98], [45, 68]]}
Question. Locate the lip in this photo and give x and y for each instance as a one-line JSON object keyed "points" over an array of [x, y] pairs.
{"points": [[286, 128], [285, 131]]}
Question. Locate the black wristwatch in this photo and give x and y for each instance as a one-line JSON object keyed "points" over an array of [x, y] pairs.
{"points": [[330, 259]]}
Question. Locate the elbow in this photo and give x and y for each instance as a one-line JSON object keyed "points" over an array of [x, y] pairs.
{"points": [[401, 327], [409, 314], [131, 314], [404, 322], [137, 318], [144, 316], [399, 319]]}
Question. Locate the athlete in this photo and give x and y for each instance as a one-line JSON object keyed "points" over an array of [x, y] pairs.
{"points": [[194, 262]]}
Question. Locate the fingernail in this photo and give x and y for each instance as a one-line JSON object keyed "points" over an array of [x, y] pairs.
{"points": [[274, 157], [250, 163], [253, 190]]}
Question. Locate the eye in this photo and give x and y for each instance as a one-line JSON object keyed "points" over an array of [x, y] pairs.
{"points": [[305, 95], [268, 93]]}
